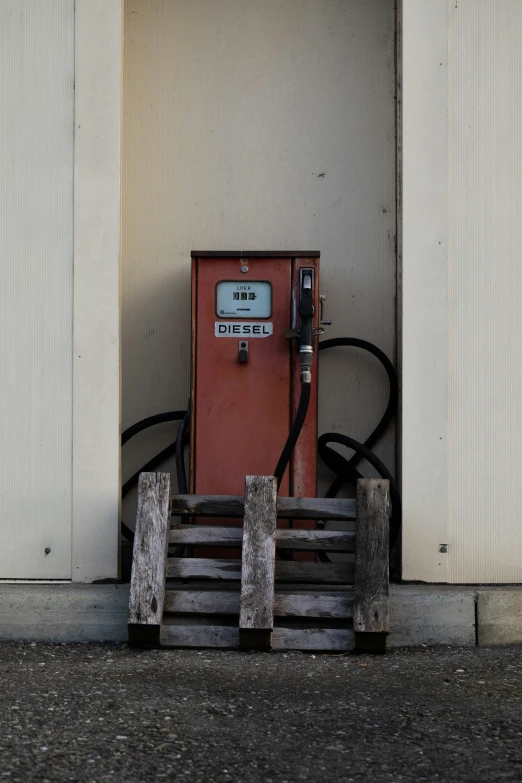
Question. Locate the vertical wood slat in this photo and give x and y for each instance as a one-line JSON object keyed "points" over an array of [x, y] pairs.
{"points": [[370, 619], [147, 589], [256, 615]]}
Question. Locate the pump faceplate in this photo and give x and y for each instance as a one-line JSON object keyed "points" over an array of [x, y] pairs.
{"points": [[244, 400]]}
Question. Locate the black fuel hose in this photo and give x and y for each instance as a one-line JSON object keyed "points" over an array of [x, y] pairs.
{"points": [[150, 421], [284, 459], [153, 463], [337, 463], [348, 473], [295, 431], [182, 438], [163, 455]]}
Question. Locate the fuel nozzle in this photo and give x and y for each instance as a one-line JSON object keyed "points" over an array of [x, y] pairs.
{"points": [[306, 311]]}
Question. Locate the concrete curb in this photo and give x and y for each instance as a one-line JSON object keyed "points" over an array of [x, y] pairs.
{"points": [[428, 615], [419, 614], [64, 613], [499, 617]]}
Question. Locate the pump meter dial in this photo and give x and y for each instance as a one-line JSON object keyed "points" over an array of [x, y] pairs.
{"points": [[238, 299]]}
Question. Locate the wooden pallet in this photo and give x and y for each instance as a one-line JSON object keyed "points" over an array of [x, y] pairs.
{"points": [[259, 601]]}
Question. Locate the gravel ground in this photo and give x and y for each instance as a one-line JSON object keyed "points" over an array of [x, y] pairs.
{"points": [[108, 713]]}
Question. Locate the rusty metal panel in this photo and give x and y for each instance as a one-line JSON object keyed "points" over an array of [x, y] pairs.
{"points": [[241, 412]]}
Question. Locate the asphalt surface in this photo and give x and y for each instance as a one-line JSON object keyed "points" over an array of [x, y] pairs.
{"points": [[108, 713]]}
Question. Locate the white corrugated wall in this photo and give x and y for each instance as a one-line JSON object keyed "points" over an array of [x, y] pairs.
{"points": [[257, 126], [462, 72], [36, 268], [485, 291]]}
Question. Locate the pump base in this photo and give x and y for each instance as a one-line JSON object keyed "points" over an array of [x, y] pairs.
{"points": [[255, 639], [374, 643]]}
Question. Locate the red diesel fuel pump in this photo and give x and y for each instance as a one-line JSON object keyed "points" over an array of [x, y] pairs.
{"points": [[254, 391], [247, 369]]}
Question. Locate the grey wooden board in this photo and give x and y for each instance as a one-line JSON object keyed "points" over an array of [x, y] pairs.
{"points": [[202, 601], [287, 508], [302, 540], [287, 571], [323, 540], [199, 636], [372, 557], [313, 605], [258, 553], [199, 535], [331, 605], [326, 639], [221, 585], [150, 550]]}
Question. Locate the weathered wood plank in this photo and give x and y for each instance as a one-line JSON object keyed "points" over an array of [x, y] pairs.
{"points": [[203, 535], [199, 636], [147, 586], [334, 606], [315, 508], [316, 540], [327, 639], [285, 571], [202, 601], [256, 613], [287, 508], [371, 564], [330, 605], [302, 540], [203, 568]]}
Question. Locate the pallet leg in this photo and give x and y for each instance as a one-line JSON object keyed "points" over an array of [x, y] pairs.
{"points": [[256, 616], [147, 588], [370, 619]]}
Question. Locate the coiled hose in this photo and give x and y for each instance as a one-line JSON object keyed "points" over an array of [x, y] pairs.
{"points": [[163, 455], [345, 470]]}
